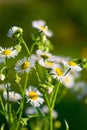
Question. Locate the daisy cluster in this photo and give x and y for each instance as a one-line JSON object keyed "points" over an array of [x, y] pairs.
{"points": [[56, 69], [59, 68]]}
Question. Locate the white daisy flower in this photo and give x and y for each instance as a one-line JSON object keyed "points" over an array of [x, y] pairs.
{"points": [[8, 52], [74, 66], [43, 54], [13, 97], [34, 96], [45, 63], [45, 110], [24, 65], [68, 81], [57, 72], [30, 111], [2, 77], [40, 25], [58, 59], [14, 31]]}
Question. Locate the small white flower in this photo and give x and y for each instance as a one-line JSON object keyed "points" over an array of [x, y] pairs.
{"points": [[13, 97], [43, 54], [57, 72], [30, 111], [24, 65], [40, 25], [34, 96], [14, 31], [45, 110], [45, 63], [8, 52], [49, 90], [68, 81], [72, 65], [2, 77]]}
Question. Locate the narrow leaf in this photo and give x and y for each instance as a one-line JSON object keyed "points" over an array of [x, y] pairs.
{"points": [[67, 126], [2, 127]]}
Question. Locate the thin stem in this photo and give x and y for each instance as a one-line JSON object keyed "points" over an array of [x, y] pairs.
{"points": [[22, 105], [7, 89], [22, 41], [55, 94], [1, 101], [50, 119]]}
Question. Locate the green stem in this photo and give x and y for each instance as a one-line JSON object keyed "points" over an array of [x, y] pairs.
{"points": [[55, 95], [7, 89], [50, 120], [23, 99], [22, 41], [1, 101]]}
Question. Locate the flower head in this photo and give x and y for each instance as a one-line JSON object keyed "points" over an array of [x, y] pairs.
{"points": [[13, 97], [74, 66], [24, 65], [57, 72], [68, 81], [43, 54], [40, 25], [15, 32], [2, 77], [46, 63], [8, 52], [34, 96]]}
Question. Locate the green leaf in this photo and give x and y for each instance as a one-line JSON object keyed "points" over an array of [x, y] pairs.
{"points": [[67, 126], [2, 127]]}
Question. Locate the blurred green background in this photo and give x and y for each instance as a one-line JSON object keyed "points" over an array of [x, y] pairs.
{"points": [[68, 21]]}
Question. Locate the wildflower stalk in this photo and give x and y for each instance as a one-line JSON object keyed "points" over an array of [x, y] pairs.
{"points": [[22, 41], [22, 105], [7, 89], [50, 119], [55, 94]]}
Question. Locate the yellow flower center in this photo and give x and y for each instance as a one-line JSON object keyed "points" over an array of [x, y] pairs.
{"points": [[67, 79], [50, 64], [71, 63], [33, 95], [6, 52], [25, 65], [59, 71], [43, 28]]}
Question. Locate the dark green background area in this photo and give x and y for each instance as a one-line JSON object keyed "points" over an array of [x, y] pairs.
{"points": [[68, 21]]}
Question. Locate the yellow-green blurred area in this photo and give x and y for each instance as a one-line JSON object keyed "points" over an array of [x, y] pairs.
{"points": [[68, 21]]}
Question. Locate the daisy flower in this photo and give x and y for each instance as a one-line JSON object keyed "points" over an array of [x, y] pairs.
{"points": [[68, 81], [30, 111], [2, 77], [34, 96], [74, 66], [14, 31], [24, 65], [45, 63], [8, 52], [43, 54], [57, 72], [40, 25], [13, 97]]}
